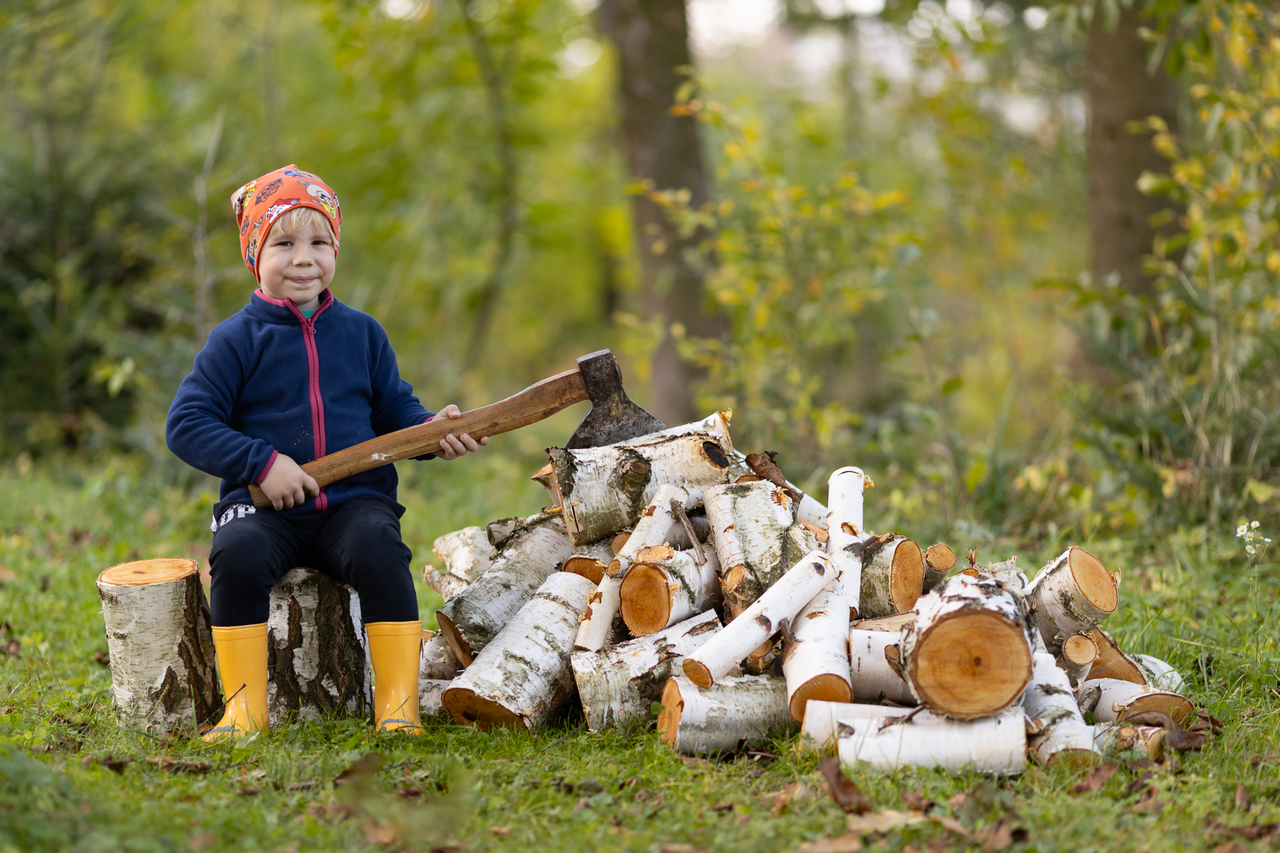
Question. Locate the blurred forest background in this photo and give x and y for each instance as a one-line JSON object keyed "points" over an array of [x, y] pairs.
{"points": [[1021, 263]]}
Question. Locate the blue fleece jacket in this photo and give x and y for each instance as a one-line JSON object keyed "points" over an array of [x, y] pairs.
{"points": [[271, 381]]}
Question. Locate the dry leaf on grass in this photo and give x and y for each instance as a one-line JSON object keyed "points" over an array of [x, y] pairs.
{"points": [[101, 658], [840, 844], [951, 824], [843, 790], [177, 765], [116, 765], [500, 831], [6, 575], [1095, 780], [365, 765], [679, 847], [1243, 800], [782, 800], [1183, 740], [885, 821], [1000, 836], [917, 802]]}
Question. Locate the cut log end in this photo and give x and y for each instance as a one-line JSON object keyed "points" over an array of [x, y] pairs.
{"points": [[821, 688], [672, 708], [1093, 580], [453, 638], [940, 557], [145, 572], [698, 673], [1168, 703], [588, 567], [906, 578], [467, 708], [979, 649], [646, 604], [1079, 650]]}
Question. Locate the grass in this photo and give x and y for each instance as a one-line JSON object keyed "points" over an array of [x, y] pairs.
{"points": [[1188, 598]]}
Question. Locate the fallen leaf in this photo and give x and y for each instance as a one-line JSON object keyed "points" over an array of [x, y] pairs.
{"points": [[500, 831], [782, 800], [176, 765], [952, 824], [300, 786], [694, 761], [917, 802], [679, 847], [885, 821], [1184, 741], [1231, 847], [1150, 802], [1151, 718], [840, 844], [843, 790], [1250, 831], [1095, 780], [12, 648], [1143, 781], [410, 791], [1243, 801], [1215, 726], [365, 765], [1267, 758], [115, 765], [249, 791], [1000, 836], [957, 802], [7, 709], [722, 806], [379, 832]]}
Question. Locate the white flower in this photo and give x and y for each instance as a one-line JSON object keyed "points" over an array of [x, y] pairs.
{"points": [[1242, 530], [1268, 541], [1250, 549], [1254, 525]]}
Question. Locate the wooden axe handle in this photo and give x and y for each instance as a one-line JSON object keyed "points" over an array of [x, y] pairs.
{"points": [[537, 402]]}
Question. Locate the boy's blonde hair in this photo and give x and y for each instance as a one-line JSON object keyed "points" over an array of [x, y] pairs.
{"points": [[297, 219]]}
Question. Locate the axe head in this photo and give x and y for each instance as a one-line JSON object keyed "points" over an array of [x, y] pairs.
{"points": [[614, 416]]}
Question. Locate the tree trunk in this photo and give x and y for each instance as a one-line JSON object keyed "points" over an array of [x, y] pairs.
{"points": [[892, 576], [438, 662], [523, 677], [1071, 595], [993, 744], [1122, 90], [660, 593], [160, 645], [466, 554], [619, 684], [606, 489], [474, 616], [316, 653], [968, 652], [703, 720], [871, 676], [1114, 701], [755, 625], [820, 727], [1061, 735], [662, 150]]}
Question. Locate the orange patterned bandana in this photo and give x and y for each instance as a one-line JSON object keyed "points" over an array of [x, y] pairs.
{"points": [[259, 203]]}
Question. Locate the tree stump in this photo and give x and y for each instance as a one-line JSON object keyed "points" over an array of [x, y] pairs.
{"points": [[704, 720], [160, 645], [317, 657]]}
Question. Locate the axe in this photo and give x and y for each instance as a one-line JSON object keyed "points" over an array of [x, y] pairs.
{"points": [[613, 418]]}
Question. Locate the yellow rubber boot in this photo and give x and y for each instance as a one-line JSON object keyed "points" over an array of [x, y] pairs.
{"points": [[242, 663], [395, 648]]}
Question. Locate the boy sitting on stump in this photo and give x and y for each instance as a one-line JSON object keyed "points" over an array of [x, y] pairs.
{"points": [[292, 376]]}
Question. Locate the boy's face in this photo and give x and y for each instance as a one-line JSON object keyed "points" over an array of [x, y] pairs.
{"points": [[297, 266]]}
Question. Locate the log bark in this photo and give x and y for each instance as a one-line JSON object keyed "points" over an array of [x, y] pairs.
{"points": [[596, 628], [160, 645], [1076, 656], [815, 655], [939, 560], [523, 677], [605, 489], [755, 625], [819, 728], [618, 685], [892, 624], [968, 652], [465, 554], [704, 720], [1158, 674], [530, 555], [1111, 662], [1061, 733], [660, 593], [995, 744], [661, 524], [846, 537], [1118, 739], [431, 697], [872, 677], [591, 561], [317, 657], [892, 576], [1118, 700], [1071, 595], [808, 509], [437, 661]]}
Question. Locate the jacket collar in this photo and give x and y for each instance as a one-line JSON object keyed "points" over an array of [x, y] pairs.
{"points": [[283, 310]]}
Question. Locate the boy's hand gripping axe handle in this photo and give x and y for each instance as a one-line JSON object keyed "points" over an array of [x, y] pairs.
{"points": [[613, 418]]}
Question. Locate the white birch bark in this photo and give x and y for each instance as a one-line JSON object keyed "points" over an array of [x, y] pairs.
{"points": [[968, 652], [815, 657], [661, 523], [317, 654], [605, 489], [871, 677], [465, 554], [1159, 674], [1049, 699], [160, 645], [1118, 700], [808, 509], [749, 522], [597, 625], [995, 744], [700, 721], [591, 561], [437, 660], [530, 555], [431, 697], [761, 620], [1072, 594], [618, 685], [523, 677], [819, 728], [662, 593], [891, 578], [846, 535]]}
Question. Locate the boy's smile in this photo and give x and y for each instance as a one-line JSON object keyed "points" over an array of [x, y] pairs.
{"points": [[298, 266]]}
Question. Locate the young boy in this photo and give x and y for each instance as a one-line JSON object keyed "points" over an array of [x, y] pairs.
{"points": [[292, 376]]}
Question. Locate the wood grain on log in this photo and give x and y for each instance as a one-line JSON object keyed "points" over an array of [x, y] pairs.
{"points": [[1076, 656], [160, 644], [591, 560], [892, 576], [706, 720], [1111, 662], [660, 593], [939, 560], [1072, 594]]}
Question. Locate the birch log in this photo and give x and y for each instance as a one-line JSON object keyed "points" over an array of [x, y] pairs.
{"points": [[893, 624], [1072, 594], [437, 661], [1116, 739], [819, 728], [749, 522], [591, 561], [465, 554], [1158, 674], [523, 676], [846, 536], [596, 627], [892, 576], [939, 560], [1061, 734], [317, 660], [660, 593], [996, 744], [160, 644], [474, 616], [755, 625], [968, 652], [618, 685], [871, 677], [430, 697], [1111, 662], [808, 509], [661, 523], [815, 655], [1076, 656], [1118, 700], [605, 489], [703, 720]]}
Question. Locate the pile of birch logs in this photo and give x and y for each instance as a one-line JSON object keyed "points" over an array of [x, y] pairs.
{"points": [[674, 576]]}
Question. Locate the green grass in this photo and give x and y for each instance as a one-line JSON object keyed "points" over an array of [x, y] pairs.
{"points": [[1188, 598]]}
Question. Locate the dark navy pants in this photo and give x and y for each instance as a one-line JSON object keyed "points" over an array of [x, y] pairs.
{"points": [[357, 542]]}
